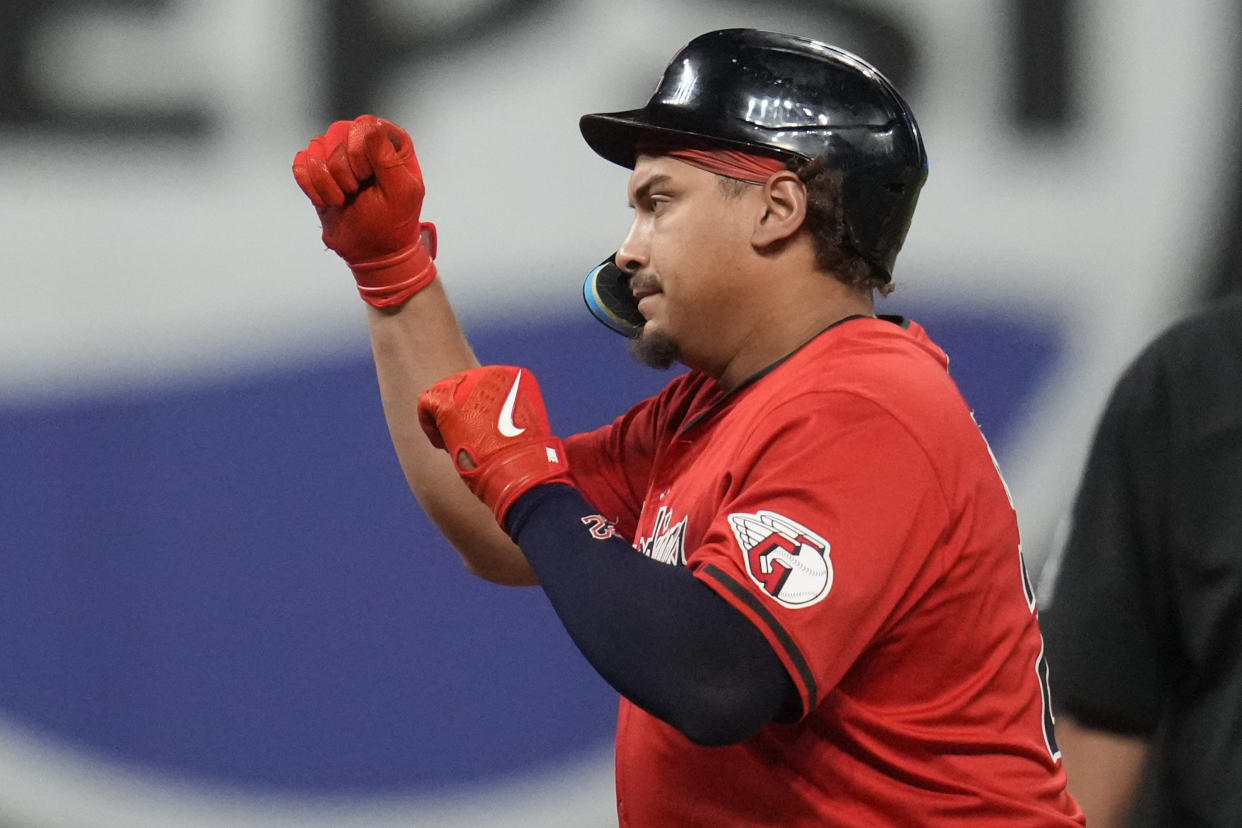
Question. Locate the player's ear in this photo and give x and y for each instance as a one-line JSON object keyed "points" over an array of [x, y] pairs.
{"points": [[784, 209]]}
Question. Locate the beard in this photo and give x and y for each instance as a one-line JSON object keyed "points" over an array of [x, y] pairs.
{"points": [[655, 350]]}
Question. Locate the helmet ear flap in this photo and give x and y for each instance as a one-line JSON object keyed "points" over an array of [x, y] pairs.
{"points": [[878, 216], [608, 297]]}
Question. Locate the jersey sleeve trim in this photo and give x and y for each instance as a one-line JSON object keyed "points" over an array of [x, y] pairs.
{"points": [[787, 649]]}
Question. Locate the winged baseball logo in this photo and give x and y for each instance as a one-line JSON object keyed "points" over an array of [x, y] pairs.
{"points": [[505, 424], [784, 558]]}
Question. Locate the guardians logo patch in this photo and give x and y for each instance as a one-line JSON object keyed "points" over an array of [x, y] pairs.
{"points": [[788, 561]]}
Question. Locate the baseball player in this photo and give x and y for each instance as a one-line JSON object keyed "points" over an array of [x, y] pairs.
{"points": [[798, 564]]}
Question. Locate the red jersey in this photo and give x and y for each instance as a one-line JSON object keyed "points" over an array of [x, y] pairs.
{"points": [[846, 503]]}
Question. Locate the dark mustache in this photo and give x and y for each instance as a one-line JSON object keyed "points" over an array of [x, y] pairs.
{"points": [[644, 283]]}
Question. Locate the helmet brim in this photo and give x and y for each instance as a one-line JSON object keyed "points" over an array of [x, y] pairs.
{"points": [[614, 136]]}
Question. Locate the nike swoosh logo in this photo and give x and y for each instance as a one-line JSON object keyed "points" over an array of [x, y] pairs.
{"points": [[507, 427]]}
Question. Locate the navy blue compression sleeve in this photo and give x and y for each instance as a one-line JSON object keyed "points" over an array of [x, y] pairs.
{"points": [[658, 635]]}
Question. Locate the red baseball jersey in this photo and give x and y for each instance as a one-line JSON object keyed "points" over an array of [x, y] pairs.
{"points": [[847, 504]]}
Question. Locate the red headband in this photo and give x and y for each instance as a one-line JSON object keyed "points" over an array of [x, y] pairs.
{"points": [[744, 166]]}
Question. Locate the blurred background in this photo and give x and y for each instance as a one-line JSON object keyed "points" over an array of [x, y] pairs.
{"points": [[219, 604]]}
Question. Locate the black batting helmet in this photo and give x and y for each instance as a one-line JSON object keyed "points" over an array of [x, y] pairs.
{"points": [[789, 97]]}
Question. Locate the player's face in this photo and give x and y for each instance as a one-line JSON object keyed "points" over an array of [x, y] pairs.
{"points": [[682, 251]]}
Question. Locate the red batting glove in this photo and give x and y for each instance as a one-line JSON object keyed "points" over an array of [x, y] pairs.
{"points": [[493, 424], [365, 182]]}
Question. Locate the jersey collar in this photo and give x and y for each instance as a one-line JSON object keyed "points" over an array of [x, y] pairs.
{"points": [[728, 396]]}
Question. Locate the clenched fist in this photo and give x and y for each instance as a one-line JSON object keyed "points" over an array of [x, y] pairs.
{"points": [[493, 423], [365, 182]]}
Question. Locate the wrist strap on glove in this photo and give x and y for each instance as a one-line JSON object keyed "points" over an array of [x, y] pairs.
{"points": [[392, 280], [509, 474]]}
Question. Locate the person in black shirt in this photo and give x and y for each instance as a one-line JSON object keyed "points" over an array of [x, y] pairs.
{"points": [[1143, 626]]}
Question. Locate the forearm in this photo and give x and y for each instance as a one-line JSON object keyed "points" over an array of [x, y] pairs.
{"points": [[658, 635], [415, 345]]}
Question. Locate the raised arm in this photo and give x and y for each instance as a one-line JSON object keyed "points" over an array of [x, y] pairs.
{"points": [[364, 180]]}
